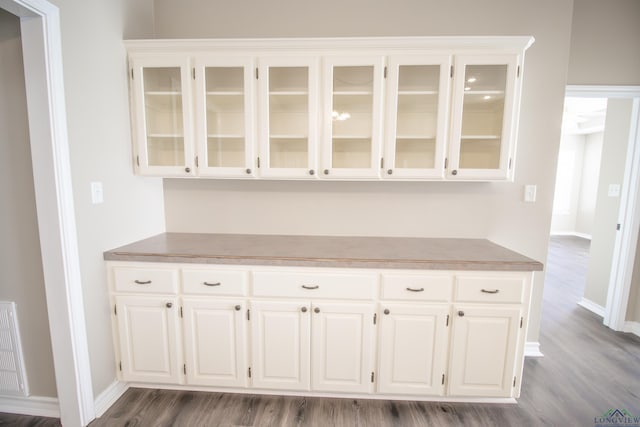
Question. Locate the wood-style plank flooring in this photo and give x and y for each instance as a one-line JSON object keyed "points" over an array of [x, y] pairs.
{"points": [[587, 370]]}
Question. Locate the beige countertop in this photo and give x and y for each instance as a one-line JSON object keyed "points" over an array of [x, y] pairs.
{"points": [[325, 251]]}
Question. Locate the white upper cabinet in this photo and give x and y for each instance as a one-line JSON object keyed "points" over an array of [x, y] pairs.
{"points": [[352, 127], [414, 108], [162, 116], [225, 112], [484, 120], [416, 116], [288, 99]]}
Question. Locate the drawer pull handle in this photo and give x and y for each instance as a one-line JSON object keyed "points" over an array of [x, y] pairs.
{"points": [[237, 307], [415, 290], [316, 310], [461, 313], [386, 311], [310, 287], [211, 284], [490, 291], [169, 305], [303, 309], [142, 282]]}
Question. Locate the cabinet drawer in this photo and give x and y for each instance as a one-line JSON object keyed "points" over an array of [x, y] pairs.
{"points": [[414, 287], [490, 289], [314, 285], [145, 280], [214, 282]]}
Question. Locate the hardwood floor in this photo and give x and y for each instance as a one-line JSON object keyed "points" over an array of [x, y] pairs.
{"points": [[587, 370]]}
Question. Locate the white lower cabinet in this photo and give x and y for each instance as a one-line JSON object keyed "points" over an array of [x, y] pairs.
{"points": [[280, 346], [214, 342], [342, 347], [413, 348], [402, 333], [149, 338], [483, 351]]}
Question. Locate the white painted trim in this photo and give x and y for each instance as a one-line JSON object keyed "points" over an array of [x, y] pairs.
{"points": [[42, 55], [592, 306], [109, 396], [369, 396], [532, 349], [580, 91], [36, 406], [571, 233], [632, 327]]}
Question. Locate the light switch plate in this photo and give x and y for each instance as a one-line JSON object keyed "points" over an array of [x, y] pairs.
{"points": [[97, 195], [614, 190], [530, 193]]}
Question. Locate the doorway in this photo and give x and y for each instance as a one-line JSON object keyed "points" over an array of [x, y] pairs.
{"points": [[595, 212]]}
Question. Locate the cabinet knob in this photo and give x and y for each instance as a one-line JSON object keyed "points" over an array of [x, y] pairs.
{"points": [[169, 304], [237, 307], [386, 311], [187, 170], [303, 309], [316, 310], [312, 172], [390, 171], [326, 171], [248, 171], [461, 313], [454, 172]]}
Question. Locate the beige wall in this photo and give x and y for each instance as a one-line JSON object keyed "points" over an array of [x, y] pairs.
{"points": [[614, 153], [95, 76], [604, 43], [495, 211], [21, 277], [633, 308]]}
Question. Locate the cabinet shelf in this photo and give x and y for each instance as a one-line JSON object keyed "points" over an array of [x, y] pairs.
{"points": [[225, 93], [352, 92], [430, 137], [417, 92], [163, 93], [165, 135], [288, 136], [288, 92], [479, 137], [351, 137], [225, 135]]}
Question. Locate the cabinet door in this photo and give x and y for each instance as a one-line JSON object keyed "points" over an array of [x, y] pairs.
{"points": [[225, 114], [413, 345], [214, 339], [342, 347], [416, 116], [148, 333], [483, 350], [484, 117], [288, 99], [280, 344], [161, 113], [352, 117]]}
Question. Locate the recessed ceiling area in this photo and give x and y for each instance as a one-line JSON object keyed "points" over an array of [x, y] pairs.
{"points": [[583, 115]]}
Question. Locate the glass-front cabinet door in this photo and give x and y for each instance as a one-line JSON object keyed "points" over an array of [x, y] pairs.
{"points": [[161, 104], [352, 117], [225, 116], [416, 116], [483, 131], [288, 98]]}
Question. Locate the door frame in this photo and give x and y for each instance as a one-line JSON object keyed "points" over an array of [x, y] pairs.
{"points": [[624, 252], [42, 57]]}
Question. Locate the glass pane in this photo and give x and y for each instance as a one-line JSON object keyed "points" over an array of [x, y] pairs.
{"points": [[163, 116], [352, 115], [288, 117], [417, 116], [225, 152], [225, 116], [288, 152], [482, 116]]}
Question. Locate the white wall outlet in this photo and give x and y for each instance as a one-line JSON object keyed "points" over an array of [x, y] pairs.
{"points": [[614, 190], [97, 196], [530, 193]]}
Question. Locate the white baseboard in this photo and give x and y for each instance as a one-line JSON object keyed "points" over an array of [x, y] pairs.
{"points": [[632, 327], [592, 306], [532, 349], [109, 396], [37, 406], [571, 233]]}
